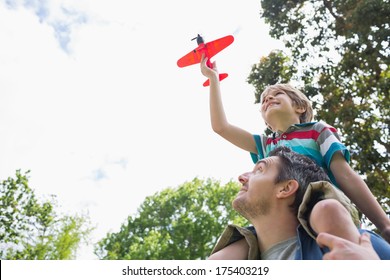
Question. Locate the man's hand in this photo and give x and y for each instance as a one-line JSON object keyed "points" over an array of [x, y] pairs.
{"points": [[341, 249]]}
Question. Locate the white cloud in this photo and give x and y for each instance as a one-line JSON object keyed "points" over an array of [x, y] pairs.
{"points": [[103, 116]]}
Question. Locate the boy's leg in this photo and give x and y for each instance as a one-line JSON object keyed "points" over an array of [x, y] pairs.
{"points": [[330, 216], [386, 234], [235, 251]]}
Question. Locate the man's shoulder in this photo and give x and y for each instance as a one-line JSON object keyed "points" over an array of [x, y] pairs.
{"points": [[233, 233], [308, 248]]}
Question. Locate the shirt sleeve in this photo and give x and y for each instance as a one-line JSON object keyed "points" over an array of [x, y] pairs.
{"points": [[329, 142], [260, 150]]}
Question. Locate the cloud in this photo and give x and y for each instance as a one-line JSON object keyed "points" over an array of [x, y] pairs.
{"points": [[11, 4], [98, 174], [63, 27], [110, 168], [61, 16], [39, 7]]}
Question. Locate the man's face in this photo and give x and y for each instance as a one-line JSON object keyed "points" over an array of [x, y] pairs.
{"points": [[258, 189]]}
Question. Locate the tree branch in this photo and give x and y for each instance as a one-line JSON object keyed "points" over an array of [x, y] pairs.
{"points": [[328, 6]]}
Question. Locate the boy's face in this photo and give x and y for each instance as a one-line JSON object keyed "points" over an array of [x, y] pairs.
{"points": [[276, 104]]}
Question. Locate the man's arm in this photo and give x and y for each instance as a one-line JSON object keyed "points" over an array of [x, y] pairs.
{"points": [[236, 251]]}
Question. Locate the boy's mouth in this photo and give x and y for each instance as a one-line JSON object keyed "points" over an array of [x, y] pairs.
{"points": [[270, 105]]}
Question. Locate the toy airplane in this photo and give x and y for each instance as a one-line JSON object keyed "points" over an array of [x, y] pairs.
{"points": [[209, 49]]}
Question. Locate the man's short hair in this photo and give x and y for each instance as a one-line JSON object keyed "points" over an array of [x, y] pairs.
{"points": [[294, 166]]}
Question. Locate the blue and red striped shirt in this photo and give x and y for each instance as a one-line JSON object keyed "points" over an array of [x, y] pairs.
{"points": [[317, 140]]}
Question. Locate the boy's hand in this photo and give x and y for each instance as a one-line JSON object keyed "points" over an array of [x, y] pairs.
{"points": [[207, 71]]}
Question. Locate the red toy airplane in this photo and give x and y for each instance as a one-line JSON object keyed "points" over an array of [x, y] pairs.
{"points": [[209, 49]]}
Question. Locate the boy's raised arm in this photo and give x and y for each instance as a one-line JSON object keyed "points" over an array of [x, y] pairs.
{"points": [[219, 123]]}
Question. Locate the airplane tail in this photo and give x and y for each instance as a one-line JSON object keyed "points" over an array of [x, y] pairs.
{"points": [[221, 77]]}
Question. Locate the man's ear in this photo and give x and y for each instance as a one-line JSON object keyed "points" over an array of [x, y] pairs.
{"points": [[288, 189]]}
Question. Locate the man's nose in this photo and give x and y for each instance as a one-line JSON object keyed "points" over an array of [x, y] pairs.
{"points": [[243, 178]]}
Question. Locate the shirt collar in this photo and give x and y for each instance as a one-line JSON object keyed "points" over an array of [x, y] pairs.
{"points": [[293, 127]]}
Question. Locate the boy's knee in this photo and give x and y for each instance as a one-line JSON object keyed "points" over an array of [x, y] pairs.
{"points": [[329, 208], [331, 216], [328, 213]]}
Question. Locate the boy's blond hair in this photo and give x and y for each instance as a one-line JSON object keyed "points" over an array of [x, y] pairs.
{"points": [[298, 98]]}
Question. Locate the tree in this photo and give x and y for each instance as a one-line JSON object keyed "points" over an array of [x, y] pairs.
{"points": [[340, 56], [33, 230], [276, 68], [178, 224]]}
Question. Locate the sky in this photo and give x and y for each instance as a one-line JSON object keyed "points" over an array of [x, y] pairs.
{"points": [[93, 103]]}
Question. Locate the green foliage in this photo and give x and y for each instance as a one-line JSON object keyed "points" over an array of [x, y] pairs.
{"points": [[176, 224], [276, 68], [33, 230], [340, 50]]}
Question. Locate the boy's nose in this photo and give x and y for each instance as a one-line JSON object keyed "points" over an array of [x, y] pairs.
{"points": [[269, 97]]}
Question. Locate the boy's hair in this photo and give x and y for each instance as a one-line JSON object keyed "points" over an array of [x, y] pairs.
{"points": [[298, 98], [294, 166]]}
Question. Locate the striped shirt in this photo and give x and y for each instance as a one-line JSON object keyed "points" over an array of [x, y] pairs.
{"points": [[317, 140]]}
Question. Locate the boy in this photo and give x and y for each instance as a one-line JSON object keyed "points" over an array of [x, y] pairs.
{"points": [[288, 113]]}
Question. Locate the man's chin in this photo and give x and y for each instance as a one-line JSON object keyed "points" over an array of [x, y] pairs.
{"points": [[238, 203], [240, 193]]}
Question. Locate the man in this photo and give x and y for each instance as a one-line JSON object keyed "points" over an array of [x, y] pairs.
{"points": [[271, 199]]}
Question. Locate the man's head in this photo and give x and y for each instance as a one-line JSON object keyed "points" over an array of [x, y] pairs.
{"points": [[282, 177], [298, 100]]}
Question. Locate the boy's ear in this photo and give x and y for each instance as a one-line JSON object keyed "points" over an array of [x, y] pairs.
{"points": [[288, 189], [300, 110]]}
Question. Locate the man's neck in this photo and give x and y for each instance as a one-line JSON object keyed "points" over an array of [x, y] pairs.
{"points": [[272, 230]]}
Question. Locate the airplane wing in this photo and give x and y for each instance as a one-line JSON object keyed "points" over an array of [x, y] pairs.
{"points": [[210, 49], [214, 47], [191, 58]]}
